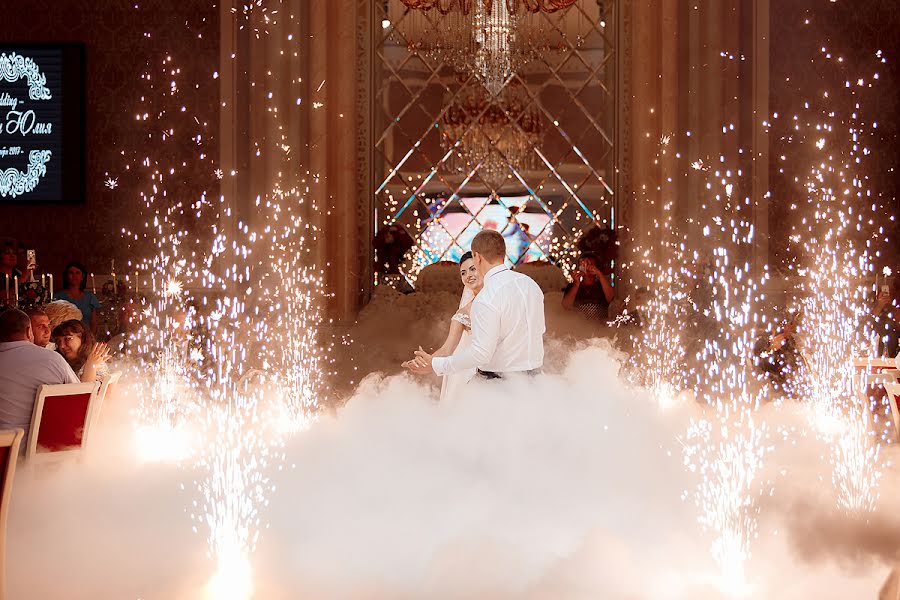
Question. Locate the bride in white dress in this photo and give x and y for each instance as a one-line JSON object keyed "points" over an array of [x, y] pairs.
{"points": [[459, 336]]}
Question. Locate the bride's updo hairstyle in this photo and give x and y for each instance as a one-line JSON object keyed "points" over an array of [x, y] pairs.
{"points": [[465, 257], [489, 244]]}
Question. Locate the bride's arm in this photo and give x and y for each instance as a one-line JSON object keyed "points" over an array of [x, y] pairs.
{"points": [[452, 341]]}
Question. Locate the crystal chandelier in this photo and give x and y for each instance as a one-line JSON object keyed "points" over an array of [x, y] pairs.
{"points": [[491, 39], [495, 133], [495, 37]]}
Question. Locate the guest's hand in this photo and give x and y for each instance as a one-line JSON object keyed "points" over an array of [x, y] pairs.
{"points": [[99, 354], [596, 272], [421, 364]]}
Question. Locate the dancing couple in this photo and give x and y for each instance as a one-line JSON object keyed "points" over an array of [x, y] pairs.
{"points": [[499, 327]]}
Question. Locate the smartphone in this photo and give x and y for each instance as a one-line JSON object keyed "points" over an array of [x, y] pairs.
{"points": [[30, 259]]}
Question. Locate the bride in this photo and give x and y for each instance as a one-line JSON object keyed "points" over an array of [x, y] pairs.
{"points": [[459, 338]]}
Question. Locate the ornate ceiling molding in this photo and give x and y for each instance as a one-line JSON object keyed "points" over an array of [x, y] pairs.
{"points": [[513, 6]]}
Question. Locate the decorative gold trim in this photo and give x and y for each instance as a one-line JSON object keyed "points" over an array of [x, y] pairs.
{"points": [[465, 6]]}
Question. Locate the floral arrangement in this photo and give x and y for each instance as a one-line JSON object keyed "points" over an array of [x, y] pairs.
{"points": [[32, 294]]}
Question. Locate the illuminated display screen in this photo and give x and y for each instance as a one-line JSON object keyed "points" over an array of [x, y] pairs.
{"points": [[523, 224], [42, 123]]}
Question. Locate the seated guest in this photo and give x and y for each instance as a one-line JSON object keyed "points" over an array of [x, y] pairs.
{"points": [[885, 319], [9, 261], [40, 327], [590, 291], [9, 258], [76, 344], [59, 311], [74, 280], [779, 358], [23, 368]]}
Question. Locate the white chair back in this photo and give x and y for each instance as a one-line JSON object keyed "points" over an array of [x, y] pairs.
{"points": [[9, 455], [107, 385], [61, 421], [893, 393]]}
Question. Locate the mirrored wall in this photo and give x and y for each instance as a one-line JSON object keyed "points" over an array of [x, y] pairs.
{"points": [[503, 121]]}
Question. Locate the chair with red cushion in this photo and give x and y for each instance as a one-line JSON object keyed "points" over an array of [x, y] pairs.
{"points": [[9, 455], [61, 421]]}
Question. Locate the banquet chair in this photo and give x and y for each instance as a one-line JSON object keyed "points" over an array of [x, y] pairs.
{"points": [[107, 388], [9, 455], [871, 393], [441, 276], [893, 393], [61, 422], [549, 277]]}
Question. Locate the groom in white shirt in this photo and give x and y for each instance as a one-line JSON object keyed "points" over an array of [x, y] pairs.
{"points": [[507, 320]]}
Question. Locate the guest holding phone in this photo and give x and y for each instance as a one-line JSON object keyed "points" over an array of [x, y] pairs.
{"points": [[590, 291]]}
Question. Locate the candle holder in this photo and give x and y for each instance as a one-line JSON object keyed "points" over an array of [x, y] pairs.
{"points": [[119, 304], [33, 294]]}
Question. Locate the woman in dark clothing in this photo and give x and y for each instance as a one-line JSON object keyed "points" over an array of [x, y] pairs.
{"points": [[590, 291]]}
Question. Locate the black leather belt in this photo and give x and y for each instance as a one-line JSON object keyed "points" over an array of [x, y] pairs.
{"points": [[494, 375]]}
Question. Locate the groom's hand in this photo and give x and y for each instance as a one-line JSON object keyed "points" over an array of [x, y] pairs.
{"points": [[421, 364]]}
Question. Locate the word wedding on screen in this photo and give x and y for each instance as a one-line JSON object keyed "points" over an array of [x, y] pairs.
{"points": [[42, 123]]}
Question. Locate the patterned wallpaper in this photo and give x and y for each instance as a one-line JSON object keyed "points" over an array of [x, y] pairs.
{"points": [[855, 31], [123, 40]]}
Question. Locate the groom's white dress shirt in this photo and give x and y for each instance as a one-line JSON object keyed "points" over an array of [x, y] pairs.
{"points": [[507, 327]]}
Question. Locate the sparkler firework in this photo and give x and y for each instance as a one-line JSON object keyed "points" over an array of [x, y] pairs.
{"points": [[699, 329], [229, 331], [230, 360], [728, 445], [697, 335], [834, 238]]}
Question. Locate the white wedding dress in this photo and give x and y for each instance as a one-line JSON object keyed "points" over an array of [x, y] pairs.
{"points": [[452, 383]]}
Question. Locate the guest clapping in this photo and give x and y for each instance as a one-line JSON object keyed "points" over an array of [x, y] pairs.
{"points": [[590, 291], [74, 280], [86, 357]]}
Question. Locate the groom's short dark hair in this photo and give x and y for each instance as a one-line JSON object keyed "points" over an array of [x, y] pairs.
{"points": [[490, 244]]}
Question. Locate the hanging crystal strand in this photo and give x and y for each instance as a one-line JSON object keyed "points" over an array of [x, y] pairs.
{"points": [[494, 36]]}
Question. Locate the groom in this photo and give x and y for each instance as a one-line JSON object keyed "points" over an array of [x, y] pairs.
{"points": [[507, 320]]}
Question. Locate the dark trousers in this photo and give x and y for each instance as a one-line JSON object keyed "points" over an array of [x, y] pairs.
{"points": [[492, 375]]}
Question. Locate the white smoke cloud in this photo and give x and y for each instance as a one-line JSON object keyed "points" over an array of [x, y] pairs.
{"points": [[567, 486]]}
